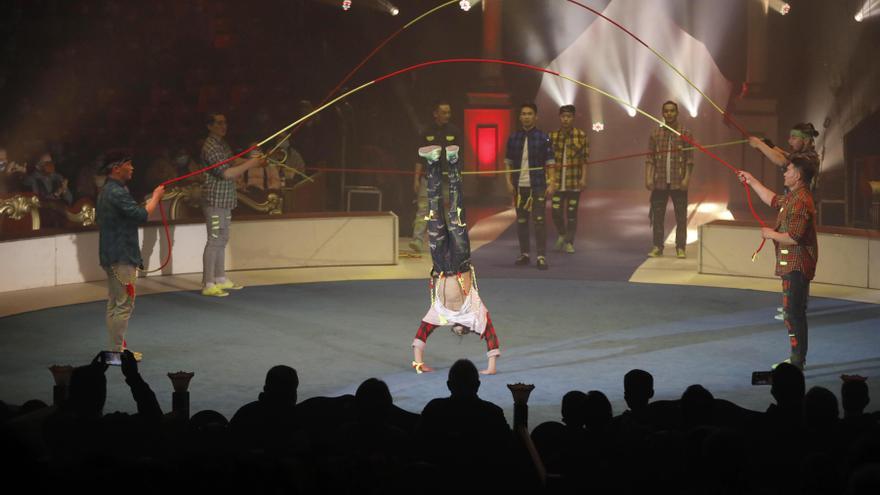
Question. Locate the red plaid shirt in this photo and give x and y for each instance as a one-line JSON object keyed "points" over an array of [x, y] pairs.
{"points": [[797, 218]]}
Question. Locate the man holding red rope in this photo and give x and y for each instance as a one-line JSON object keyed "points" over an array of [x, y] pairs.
{"points": [[797, 249], [118, 216]]}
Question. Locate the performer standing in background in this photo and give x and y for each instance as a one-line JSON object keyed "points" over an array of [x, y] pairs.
{"points": [[572, 149], [667, 175]]}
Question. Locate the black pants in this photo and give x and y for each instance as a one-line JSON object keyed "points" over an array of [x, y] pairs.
{"points": [[795, 292], [659, 199], [531, 203], [564, 210]]}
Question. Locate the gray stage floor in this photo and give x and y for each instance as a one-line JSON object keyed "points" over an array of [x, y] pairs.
{"points": [[557, 334]]}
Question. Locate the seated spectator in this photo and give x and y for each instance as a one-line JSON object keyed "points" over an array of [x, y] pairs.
{"points": [[184, 164], [697, 407], [46, 183], [78, 430], [159, 170], [560, 444], [463, 432], [270, 422], [11, 173], [262, 179], [371, 445], [88, 180]]}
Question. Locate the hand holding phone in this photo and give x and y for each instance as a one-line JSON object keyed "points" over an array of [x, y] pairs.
{"points": [[112, 358]]}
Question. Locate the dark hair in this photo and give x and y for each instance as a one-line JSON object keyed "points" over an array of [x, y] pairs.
{"points": [[566, 109], [529, 104], [806, 128], [211, 116], [806, 167], [438, 103], [670, 102]]}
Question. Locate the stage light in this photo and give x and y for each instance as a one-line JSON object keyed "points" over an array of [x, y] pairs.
{"points": [[631, 111], [465, 5], [869, 9], [346, 4], [785, 9], [395, 11], [598, 126]]}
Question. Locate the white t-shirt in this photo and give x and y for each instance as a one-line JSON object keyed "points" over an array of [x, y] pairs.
{"points": [[524, 179], [472, 314]]}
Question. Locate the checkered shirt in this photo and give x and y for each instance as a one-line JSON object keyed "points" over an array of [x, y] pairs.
{"points": [[576, 146], [797, 218], [661, 142], [218, 191]]}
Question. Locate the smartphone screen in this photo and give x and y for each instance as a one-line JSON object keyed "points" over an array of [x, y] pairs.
{"points": [[761, 378], [112, 358]]}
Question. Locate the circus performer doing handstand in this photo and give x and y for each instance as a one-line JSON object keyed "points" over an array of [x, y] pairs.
{"points": [[455, 299]]}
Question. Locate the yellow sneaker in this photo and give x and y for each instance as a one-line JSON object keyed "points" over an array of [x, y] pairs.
{"points": [[655, 252], [229, 285], [214, 291]]}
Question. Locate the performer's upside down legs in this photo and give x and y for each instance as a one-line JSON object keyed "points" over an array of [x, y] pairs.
{"points": [[455, 299]]}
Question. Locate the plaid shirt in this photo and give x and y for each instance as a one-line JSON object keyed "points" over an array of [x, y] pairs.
{"points": [[576, 147], [540, 155], [797, 218], [680, 161], [118, 216], [218, 191]]}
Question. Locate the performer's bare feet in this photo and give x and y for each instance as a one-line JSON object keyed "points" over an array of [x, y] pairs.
{"points": [[490, 369], [421, 367], [418, 363]]}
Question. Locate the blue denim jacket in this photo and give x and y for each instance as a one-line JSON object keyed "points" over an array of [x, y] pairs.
{"points": [[540, 154], [118, 216]]}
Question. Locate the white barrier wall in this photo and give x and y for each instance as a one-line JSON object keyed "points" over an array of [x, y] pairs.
{"points": [[852, 260], [254, 244]]}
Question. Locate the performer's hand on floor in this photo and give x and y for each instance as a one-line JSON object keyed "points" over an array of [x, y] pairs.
{"points": [[490, 368]]}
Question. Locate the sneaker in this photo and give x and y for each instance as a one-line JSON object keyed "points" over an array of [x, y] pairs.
{"points": [[655, 252], [680, 254], [542, 263], [569, 248], [416, 245], [560, 242], [214, 291], [522, 260], [229, 284]]}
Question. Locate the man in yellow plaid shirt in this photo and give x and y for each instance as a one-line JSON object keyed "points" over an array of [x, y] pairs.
{"points": [[572, 149]]}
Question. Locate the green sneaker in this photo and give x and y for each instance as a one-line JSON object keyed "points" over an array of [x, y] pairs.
{"points": [[680, 254], [214, 291], [569, 248], [560, 242], [655, 252], [229, 284]]}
